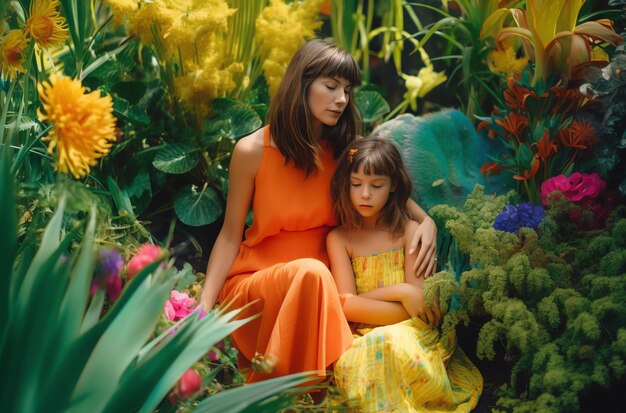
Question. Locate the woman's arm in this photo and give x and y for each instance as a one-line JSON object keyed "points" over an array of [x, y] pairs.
{"points": [[425, 237], [357, 308], [432, 314], [243, 167]]}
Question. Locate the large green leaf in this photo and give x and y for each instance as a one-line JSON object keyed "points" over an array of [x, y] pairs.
{"points": [[244, 119], [242, 398], [372, 105], [176, 158], [198, 208], [8, 240]]}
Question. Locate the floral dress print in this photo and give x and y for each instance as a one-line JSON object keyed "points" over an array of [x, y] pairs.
{"points": [[403, 367]]}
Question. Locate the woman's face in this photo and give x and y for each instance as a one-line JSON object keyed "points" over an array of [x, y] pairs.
{"points": [[327, 99]]}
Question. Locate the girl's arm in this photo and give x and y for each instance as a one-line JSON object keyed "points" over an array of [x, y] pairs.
{"points": [[357, 308], [243, 167], [426, 235]]}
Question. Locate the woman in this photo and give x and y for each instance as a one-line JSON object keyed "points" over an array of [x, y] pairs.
{"points": [[281, 268]]}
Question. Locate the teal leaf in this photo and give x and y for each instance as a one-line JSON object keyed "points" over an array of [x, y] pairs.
{"points": [[198, 208], [443, 154], [176, 158], [372, 105]]}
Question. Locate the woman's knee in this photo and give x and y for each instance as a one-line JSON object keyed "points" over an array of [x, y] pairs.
{"points": [[312, 269]]}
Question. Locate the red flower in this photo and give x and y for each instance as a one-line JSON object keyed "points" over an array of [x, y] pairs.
{"points": [[580, 135], [534, 167], [566, 100], [491, 168], [513, 124], [515, 96], [189, 383], [545, 147]]}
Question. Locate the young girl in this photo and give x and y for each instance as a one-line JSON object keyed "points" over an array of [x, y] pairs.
{"points": [[405, 366]]}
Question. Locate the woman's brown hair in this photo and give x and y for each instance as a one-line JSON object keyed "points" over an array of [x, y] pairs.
{"points": [[289, 116], [378, 156]]}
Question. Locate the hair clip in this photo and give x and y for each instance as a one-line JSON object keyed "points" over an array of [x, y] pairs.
{"points": [[350, 153]]}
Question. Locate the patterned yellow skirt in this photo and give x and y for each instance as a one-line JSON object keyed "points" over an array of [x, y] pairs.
{"points": [[408, 367]]}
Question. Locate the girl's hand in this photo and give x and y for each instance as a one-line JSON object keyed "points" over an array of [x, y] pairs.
{"points": [[413, 302], [426, 235]]}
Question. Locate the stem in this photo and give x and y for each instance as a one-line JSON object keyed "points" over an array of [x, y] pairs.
{"points": [[5, 109]]}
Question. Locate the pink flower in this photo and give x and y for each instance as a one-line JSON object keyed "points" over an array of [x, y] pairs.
{"points": [[146, 254], [575, 188], [189, 383], [180, 305]]}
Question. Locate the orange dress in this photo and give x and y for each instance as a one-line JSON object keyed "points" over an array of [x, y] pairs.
{"points": [[283, 265]]}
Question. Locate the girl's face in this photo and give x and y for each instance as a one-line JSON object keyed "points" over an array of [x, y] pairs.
{"points": [[327, 99], [369, 193]]}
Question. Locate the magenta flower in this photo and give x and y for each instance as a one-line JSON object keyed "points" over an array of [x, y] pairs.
{"points": [[146, 254], [575, 188], [180, 305]]}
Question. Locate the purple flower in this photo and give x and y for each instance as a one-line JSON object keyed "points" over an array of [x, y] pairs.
{"points": [[108, 269], [514, 217]]}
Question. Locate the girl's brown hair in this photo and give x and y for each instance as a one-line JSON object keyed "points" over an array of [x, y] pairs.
{"points": [[289, 116], [381, 157]]}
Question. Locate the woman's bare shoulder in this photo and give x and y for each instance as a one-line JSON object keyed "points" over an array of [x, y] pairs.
{"points": [[248, 151]]}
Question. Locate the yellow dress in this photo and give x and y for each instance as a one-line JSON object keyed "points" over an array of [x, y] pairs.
{"points": [[403, 367]]}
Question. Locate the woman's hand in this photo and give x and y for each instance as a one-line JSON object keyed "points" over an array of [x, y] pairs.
{"points": [[426, 238]]}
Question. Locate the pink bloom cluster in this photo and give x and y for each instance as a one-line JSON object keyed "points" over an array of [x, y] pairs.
{"points": [[575, 187], [146, 254], [180, 305]]}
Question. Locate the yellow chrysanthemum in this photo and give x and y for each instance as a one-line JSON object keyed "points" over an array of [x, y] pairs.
{"points": [[12, 53], [45, 24], [506, 61], [425, 81], [83, 125], [280, 30]]}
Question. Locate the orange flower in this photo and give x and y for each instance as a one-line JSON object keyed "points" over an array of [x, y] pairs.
{"points": [[12, 53], [580, 135], [45, 24], [326, 8], [513, 124], [83, 125], [545, 147], [526, 175], [490, 168]]}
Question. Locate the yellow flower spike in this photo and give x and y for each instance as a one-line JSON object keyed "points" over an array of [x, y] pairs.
{"points": [[46, 25], [12, 53], [425, 81], [83, 125], [506, 61]]}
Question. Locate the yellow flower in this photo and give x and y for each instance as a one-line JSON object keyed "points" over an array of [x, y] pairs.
{"points": [[45, 24], [280, 30], [425, 81], [12, 53], [506, 61], [83, 125]]}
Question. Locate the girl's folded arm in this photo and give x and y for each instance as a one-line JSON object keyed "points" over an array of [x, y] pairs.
{"points": [[357, 308]]}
